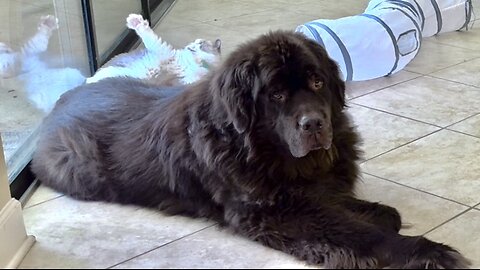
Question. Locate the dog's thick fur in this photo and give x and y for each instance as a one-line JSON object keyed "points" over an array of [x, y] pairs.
{"points": [[236, 148]]}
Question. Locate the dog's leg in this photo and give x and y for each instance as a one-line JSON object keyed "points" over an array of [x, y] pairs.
{"points": [[384, 216], [322, 235]]}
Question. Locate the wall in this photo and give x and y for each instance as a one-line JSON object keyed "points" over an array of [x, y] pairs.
{"points": [[4, 186]]}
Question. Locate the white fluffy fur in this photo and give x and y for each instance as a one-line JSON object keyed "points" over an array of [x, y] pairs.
{"points": [[43, 85], [188, 64]]}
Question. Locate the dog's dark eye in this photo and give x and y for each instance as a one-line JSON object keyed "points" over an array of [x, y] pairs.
{"points": [[317, 84], [278, 97]]}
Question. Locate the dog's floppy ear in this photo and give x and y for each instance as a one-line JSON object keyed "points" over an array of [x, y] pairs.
{"points": [[237, 85], [336, 84]]}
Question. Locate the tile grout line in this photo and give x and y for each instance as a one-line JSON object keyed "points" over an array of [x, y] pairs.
{"points": [[463, 133], [454, 46], [402, 145], [448, 127], [395, 84], [428, 74], [444, 79], [421, 137], [423, 191], [448, 220], [458, 122], [163, 245], [402, 116], [431, 39], [42, 202]]}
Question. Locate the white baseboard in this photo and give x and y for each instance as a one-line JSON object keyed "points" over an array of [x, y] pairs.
{"points": [[14, 241]]}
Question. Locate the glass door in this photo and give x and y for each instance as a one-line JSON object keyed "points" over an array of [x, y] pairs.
{"points": [[48, 47], [107, 33], [42, 53]]}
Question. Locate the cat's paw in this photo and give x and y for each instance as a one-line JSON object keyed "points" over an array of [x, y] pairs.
{"points": [[136, 21], [48, 22]]}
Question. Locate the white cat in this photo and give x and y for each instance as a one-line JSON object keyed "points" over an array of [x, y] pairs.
{"points": [[42, 84], [159, 60]]}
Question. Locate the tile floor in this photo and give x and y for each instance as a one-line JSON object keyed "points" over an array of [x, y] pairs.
{"points": [[421, 129]]}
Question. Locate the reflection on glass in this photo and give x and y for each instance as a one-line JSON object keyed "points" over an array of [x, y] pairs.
{"points": [[109, 17], [42, 55]]}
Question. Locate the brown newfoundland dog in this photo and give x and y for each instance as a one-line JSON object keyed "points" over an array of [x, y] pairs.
{"points": [[262, 145]]}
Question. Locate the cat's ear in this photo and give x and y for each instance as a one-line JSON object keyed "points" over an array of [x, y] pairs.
{"points": [[218, 45]]}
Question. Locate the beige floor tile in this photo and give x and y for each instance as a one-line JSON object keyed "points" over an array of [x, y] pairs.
{"points": [[179, 37], [212, 248], [75, 234], [435, 101], [420, 211], [470, 126], [463, 39], [78, 234], [435, 56], [360, 88], [476, 9], [382, 132], [262, 22], [42, 6], [174, 19], [209, 10], [17, 113], [276, 3], [462, 234], [444, 163], [467, 73], [330, 9], [42, 194]]}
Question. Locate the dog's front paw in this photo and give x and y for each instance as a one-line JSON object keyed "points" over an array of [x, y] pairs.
{"points": [[48, 22], [430, 255], [387, 217], [136, 21]]}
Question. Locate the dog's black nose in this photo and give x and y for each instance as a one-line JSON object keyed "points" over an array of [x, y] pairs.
{"points": [[310, 124]]}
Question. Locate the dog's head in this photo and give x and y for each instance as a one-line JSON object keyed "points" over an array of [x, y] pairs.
{"points": [[285, 85]]}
